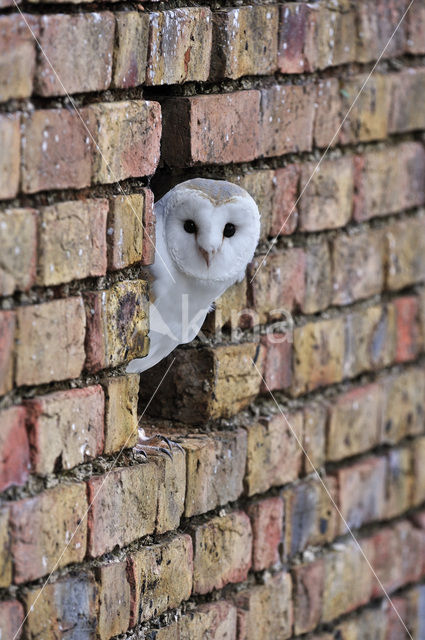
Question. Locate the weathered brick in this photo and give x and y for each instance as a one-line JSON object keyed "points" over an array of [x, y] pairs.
{"points": [[318, 276], [72, 241], [368, 117], [284, 214], [403, 412], [11, 619], [274, 456], [376, 29], [213, 129], [48, 531], [5, 556], [406, 92], [406, 252], [398, 482], [327, 119], [130, 226], [43, 331], [114, 600], [277, 361], [418, 470], [117, 324], [70, 603], [318, 354], [287, 115], [7, 339], [215, 620], [260, 184], [308, 581], [228, 538], [123, 507], [314, 435], [390, 180], [267, 607], [355, 422], [18, 238], [367, 623], [267, 528], [65, 428], [407, 328], [231, 310], [10, 156], [71, 45], [415, 27], [179, 46], [244, 41], [171, 491], [131, 48], [161, 577], [327, 194], [14, 448], [17, 55], [121, 395]]}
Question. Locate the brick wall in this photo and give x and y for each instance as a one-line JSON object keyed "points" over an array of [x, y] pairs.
{"points": [[237, 538]]}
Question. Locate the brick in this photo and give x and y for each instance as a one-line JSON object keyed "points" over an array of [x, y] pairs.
{"points": [[69, 603], [127, 137], [314, 37], [287, 114], [406, 248], [215, 469], [418, 471], [358, 262], [261, 186], [10, 157], [318, 355], [114, 600], [389, 181], [415, 25], [406, 91], [244, 41], [230, 309], [421, 294], [327, 118], [310, 516], [5, 556], [7, 340], [171, 491], [179, 46], [11, 619], [315, 417], [229, 538], [267, 607], [362, 492], [213, 129], [327, 194], [399, 482], [370, 623], [376, 29], [267, 528], [131, 233], [277, 361], [403, 412], [369, 118], [56, 151], [123, 507], [121, 396], [48, 531], [72, 44], [44, 330], [274, 456], [161, 577], [308, 581], [131, 48], [407, 328], [215, 620], [355, 422], [65, 428], [17, 53], [117, 324], [318, 276], [14, 447], [18, 240], [284, 216], [72, 241]]}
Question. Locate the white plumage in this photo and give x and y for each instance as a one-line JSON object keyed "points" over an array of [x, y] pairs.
{"points": [[206, 233]]}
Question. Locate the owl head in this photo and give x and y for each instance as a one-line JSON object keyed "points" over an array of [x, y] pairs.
{"points": [[211, 229]]}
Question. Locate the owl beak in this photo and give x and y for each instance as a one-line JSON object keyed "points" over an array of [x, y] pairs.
{"points": [[207, 255]]}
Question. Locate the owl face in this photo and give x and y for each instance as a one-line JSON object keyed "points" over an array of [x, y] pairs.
{"points": [[211, 234]]}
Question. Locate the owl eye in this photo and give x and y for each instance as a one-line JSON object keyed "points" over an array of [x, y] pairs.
{"points": [[189, 226], [229, 230]]}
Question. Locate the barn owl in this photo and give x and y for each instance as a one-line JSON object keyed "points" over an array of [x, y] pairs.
{"points": [[206, 233]]}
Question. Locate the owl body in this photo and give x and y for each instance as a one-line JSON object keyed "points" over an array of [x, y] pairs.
{"points": [[206, 233]]}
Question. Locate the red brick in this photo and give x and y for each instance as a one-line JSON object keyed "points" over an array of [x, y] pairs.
{"points": [[71, 45], [267, 528], [14, 457], [72, 241], [56, 151], [318, 277], [369, 118], [308, 581], [18, 238], [65, 428], [127, 139], [123, 507], [287, 114], [376, 29], [5, 555], [131, 48], [48, 531], [7, 340], [245, 41], [277, 361], [179, 46], [44, 330], [407, 91], [17, 54], [213, 129], [408, 328], [406, 252], [284, 215], [114, 600], [261, 185], [10, 155], [11, 619], [228, 537]]}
